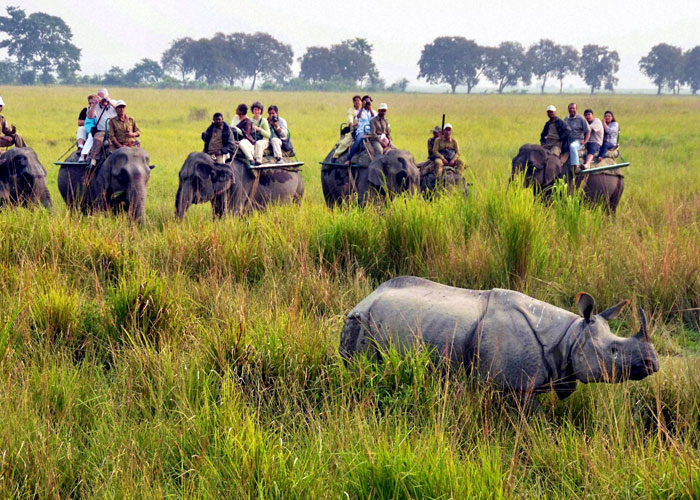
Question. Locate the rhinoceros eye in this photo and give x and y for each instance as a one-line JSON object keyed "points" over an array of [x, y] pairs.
{"points": [[615, 352]]}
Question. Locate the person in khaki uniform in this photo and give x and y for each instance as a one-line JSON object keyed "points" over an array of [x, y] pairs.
{"points": [[123, 130], [9, 137], [446, 151], [555, 134], [380, 131]]}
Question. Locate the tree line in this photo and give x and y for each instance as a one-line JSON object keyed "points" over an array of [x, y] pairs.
{"points": [[41, 51], [457, 61]]}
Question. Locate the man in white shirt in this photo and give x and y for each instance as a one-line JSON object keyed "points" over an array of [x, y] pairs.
{"points": [[103, 109], [595, 141]]}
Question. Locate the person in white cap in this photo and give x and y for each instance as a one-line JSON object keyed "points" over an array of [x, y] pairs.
{"points": [[446, 151], [555, 132], [380, 131], [123, 130], [9, 137], [103, 111]]}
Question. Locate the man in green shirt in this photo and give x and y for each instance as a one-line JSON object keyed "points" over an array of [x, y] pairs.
{"points": [[446, 151], [261, 132]]}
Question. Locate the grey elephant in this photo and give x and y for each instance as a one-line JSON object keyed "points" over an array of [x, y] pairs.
{"points": [[520, 343], [541, 169], [23, 179], [118, 183], [233, 187], [388, 174]]}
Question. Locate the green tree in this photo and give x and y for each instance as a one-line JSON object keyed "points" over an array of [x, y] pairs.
{"points": [[544, 57], [453, 60], [506, 65], [9, 72], [175, 59], [399, 85], [265, 57], [691, 73], [566, 63], [598, 67], [40, 43], [115, 76], [318, 64], [145, 72], [664, 66]]}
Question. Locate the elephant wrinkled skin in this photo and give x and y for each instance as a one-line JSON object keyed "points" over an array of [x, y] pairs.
{"points": [[23, 179], [385, 175], [119, 183], [232, 187], [541, 170]]}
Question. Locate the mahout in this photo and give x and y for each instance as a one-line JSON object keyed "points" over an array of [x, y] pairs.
{"points": [[519, 343]]}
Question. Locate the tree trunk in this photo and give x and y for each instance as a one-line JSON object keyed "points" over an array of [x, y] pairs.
{"points": [[469, 88], [592, 89], [544, 82], [454, 87], [561, 85], [501, 85], [658, 89], [255, 76]]}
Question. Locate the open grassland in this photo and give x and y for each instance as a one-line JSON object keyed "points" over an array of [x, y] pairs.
{"points": [[199, 359]]}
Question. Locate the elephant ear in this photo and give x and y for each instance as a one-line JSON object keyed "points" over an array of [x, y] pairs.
{"points": [[222, 178], [376, 174]]}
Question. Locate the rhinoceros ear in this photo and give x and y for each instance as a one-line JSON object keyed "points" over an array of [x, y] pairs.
{"points": [[614, 311], [585, 305]]}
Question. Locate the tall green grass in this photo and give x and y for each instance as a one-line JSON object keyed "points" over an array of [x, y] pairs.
{"points": [[198, 359]]}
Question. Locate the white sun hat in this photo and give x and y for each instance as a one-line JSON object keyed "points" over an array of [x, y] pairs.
{"points": [[551, 108]]}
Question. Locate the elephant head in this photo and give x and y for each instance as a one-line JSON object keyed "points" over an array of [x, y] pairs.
{"points": [[121, 181], [23, 178], [541, 168], [394, 172], [200, 181]]}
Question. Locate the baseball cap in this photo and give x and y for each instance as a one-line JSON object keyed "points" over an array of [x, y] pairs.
{"points": [[383, 106], [551, 108], [119, 103], [2, 103], [448, 125]]}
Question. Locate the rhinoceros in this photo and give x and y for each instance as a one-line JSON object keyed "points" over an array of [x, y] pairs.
{"points": [[522, 344]]}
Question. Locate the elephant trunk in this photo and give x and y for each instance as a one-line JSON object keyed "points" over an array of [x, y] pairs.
{"points": [[42, 194], [183, 199], [136, 196]]}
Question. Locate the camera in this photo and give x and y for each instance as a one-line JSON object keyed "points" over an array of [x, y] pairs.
{"points": [[104, 100], [274, 119]]}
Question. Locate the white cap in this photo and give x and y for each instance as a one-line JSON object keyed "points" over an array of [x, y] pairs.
{"points": [[119, 103], [551, 108], [447, 125], [383, 106], [2, 103]]}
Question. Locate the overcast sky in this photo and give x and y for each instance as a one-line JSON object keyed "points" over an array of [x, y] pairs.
{"points": [[121, 32]]}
